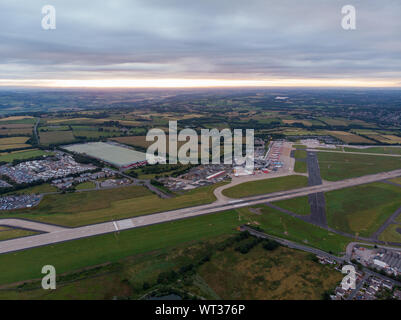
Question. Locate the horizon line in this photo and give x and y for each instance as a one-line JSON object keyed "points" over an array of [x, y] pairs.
{"points": [[177, 83]]}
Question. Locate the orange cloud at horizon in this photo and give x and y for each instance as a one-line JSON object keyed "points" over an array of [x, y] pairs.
{"points": [[197, 83]]}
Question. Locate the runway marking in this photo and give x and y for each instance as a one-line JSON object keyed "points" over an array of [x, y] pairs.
{"points": [[125, 224], [115, 225], [241, 204], [234, 201]]}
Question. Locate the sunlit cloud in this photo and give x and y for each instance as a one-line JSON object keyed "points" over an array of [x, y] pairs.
{"points": [[198, 83]]}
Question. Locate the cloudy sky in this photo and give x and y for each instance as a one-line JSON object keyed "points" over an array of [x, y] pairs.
{"points": [[200, 42]]}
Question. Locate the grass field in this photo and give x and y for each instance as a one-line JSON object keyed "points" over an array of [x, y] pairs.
{"points": [[266, 186], [85, 185], [282, 225], [20, 155], [54, 137], [300, 154], [13, 143], [43, 188], [396, 180], [361, 210], [14, 118], [391, 233], [348, 137], [298, 205], [73, 255], [339, 166], [7, 233], [300, 166], [15, 129], [260, 274], [81, 208], [383, 150]]}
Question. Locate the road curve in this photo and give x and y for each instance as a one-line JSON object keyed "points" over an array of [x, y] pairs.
{"points": [[66, 234]]}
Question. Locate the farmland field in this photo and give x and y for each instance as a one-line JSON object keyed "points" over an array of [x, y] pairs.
{"points": [[56, 137], [348, 137], [14, 143], [20, 155]]}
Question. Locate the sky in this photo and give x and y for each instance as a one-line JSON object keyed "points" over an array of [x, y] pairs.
{"points": [[200, 43]]}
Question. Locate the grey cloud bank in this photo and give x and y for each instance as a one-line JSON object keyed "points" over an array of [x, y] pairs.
{"points": [[227, 39]]}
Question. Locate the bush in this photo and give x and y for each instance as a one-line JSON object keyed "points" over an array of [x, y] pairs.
{"points": [[270, 245]]}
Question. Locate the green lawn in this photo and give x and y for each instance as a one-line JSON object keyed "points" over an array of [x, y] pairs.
{"points": [[298, 205], [73, 255], [42, 188], [300, 166], [384, 150], [284, 226], [257, 187], [391, 234], [300, 154], [339, 166], [7, 233], [81, 208], [85, 185], [361, 210], [20, 155]]}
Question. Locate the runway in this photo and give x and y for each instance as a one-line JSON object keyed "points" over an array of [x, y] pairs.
{"points": [[60, 234]]}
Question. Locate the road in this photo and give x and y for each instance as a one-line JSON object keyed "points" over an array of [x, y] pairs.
{"points": [[67, 234]]}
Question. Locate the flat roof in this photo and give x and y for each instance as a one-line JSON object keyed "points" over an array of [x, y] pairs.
{"points": [[114, 154]]}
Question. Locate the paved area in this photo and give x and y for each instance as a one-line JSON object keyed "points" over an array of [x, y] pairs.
{"points": [[66, 234], [316, 201]]}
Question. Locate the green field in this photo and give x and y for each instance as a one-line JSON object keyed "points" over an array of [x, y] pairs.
{"points": [[282, 225], [300, 154], [383, 150], [81, 208], [85, 185], [361, 210], [298, 205], [73, 255], [300, 166], [259, 274], [390, 234], [279, 274], [7, 233], [56, 137], [339, 166], [43, 188], [257, 187], [20, 155]]}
